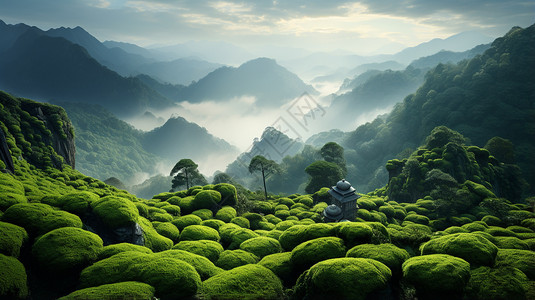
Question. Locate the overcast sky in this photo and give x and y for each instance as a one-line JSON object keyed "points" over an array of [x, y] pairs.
{"points": [[364, 27]]}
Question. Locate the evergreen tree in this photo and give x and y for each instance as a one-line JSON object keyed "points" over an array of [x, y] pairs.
{"points": [[265, 166], [185, 172]]}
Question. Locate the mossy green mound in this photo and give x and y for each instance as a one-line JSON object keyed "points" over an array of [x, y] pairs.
{"points": [[12, 237], [226, 214], [153, 240], [167, 230], [436, 274], [411, 235], [172, 278], [116, 212], [342, 278], [111, 250], [13, 280], [185, 221], [214, 223], [475, 249], [261, 246], [204, 214], [77, 203], [524, 260], [241, 221], [207, 248], [229, 194], [418, 219], [510, 242], [390, 255], [244, 282], [199, 232], [202, 265], [240, 235], [279, 263], [354, 233], [298, 234], [501, 283], [230, 259], [39, 218], [113, 291], [310, 252], [66, 248], [12, 192], [205, 199]]}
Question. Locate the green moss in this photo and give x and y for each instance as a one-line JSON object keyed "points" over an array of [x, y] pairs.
{"points": [[239, 236], [202, 265], [261, 246], [187, 220], [254, 220], [229, 195], [510, 242], [313, 251], [12, 192], [492, 220], [286, 201], [342, 278], [113, 249], [173, 210], [436, 274], [244, 282], [499, 231], [298, 234], [207, 248], [241, 221], [354, 233], [283, 225], [390, 255], [167, 230], [204, 214], [153, 240], [519, 229], [379, 232], [12, 238], [272, 219], [230, 259], [225, 232], [418, 219], [476, 250], [214, 223], [455, 229], [524, 260], [77, 203], [279, 263], [496, 283], [366, 203], [13, 280], [39, 218], [116, 212], [66, 248], [199, 232], [113, 291], [529, 223], [411, 235], [282, 214], [475, 226], [226, 213], [306, 200]]}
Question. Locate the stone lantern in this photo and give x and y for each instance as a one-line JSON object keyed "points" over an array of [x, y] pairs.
{"points": [[345, 198], [332, 213]]}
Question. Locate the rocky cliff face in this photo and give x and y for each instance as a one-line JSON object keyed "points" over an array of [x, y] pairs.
{"points": [[38, 132]]}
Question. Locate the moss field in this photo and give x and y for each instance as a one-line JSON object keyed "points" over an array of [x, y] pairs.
{"points": [[278, 249]]}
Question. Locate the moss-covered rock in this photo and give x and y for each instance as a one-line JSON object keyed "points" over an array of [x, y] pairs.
{"points": [[199, 232], [261, 246], [523, 260], [12, 238], [418, 219], [187, 220], [501, 283], [298, 234], [39, 218], [279, 263], [240, 235], [202, 265], [230, 259], [77, 203], [226, 214], [113, 291], [116, 212], [241, 221], [313, 251], [437, 275], [153, 240], [475, 226], [510, 242], [244, 282], [111, 250], [411, 235], [213, 223], [13, 280], [65, 249], [354, 233], [207, 248], [475, 249], [204, 214], [229, 194], [167, 230], [283, 225], [12, 192], [390, 255], [254, 219], [342, 278]]}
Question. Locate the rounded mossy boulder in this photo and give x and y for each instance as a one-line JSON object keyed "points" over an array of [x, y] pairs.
{"points": [[199, 232], [206, 199], [153, 240], [202, 265], [475, 249], [244, 282], [241, 221], [310, 252], [524, 260], [342, 278], [113, 291], [77, 203], [66, 249], [214, 223], [168, 230], [496, 283], [172, 278], [279, 263], [230, 259], [111, 250], [229, 194], [207, 248], [12, 192], [13, 280], [226, 214], [204, 214], [115, 211], [510, 242], [187, 220], [354, 233], [436, 274], [297, 234], [12, 238], [390, 255], [39, 218], [261, 246], [240, 235]]}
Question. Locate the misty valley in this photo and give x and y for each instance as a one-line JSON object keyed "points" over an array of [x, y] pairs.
{"points": [[207, 171]]}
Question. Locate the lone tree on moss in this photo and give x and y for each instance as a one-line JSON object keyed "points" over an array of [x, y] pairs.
{"points": [[185, 172], [334, 153], [266, 166]]}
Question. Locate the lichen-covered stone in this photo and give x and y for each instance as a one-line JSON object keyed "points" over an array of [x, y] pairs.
{"points": [[113, 291], [475, 249], [204, 214], [342, 278], [354, 233], [167, 230], [199, 232], [279, 263], [187, 220], [261, 246], [207, 248], [390, 255], [229, 194], [241, 221], [115, 212], [230, 259], [226, 213], [298, 234], [152, 239]]}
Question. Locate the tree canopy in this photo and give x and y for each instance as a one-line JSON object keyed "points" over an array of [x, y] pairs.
{"points": [[266, 166], [323, 174], [186, 173]]}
